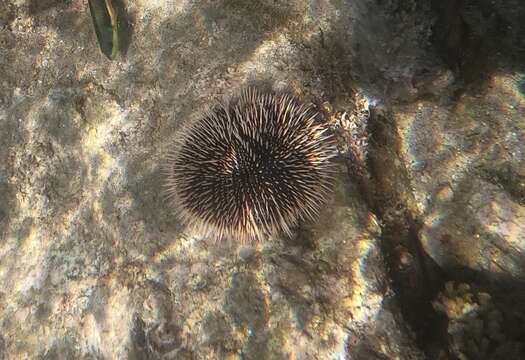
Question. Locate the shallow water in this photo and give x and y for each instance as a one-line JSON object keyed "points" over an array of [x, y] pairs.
{"points": [[418, 254]]}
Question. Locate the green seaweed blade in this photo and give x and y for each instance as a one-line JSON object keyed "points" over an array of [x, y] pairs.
{"points": [[106, 26]]}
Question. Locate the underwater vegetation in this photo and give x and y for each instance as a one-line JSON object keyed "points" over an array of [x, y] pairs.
{"points": [[105, 21]]}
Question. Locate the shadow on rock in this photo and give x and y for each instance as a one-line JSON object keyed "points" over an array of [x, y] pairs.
{"points": [[126, 25], [484, 322], [477, 38]]}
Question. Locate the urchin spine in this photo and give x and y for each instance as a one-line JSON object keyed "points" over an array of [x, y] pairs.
{"points": [[251, 167]]}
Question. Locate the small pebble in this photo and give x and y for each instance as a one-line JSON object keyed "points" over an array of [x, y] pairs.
{"points": [[246, 253]]}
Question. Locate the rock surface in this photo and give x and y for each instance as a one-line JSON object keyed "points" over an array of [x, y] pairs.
{"points": [[427, 100], [466, 164], [476, 326]]}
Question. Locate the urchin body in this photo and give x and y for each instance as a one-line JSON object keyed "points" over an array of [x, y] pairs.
{"points": [[251, 167]]}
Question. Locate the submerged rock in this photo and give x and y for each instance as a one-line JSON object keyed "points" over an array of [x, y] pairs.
{"points": [[97, 264], [465, 160], [430, 182], [477, 327]]}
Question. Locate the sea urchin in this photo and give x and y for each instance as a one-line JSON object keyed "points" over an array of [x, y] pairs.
{"points": [[251, 167]]}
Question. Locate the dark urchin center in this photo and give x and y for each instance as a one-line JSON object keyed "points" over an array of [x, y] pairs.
{"points": [[260, 176], [230, 175]]}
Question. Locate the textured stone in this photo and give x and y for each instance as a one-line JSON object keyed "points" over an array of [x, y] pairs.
{"points": [[476, 326], [465, 161], [97, 264], [426, 100]]}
